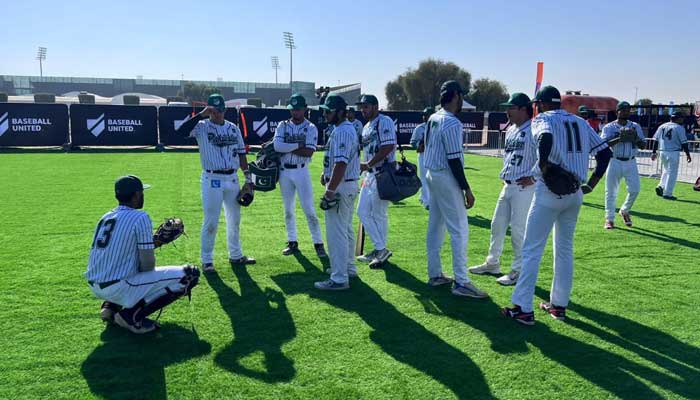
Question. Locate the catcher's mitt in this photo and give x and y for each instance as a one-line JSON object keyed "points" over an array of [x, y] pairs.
{"points": [[326, 204], [560, 181], [628, 135], [168, 231], [245, 196]]}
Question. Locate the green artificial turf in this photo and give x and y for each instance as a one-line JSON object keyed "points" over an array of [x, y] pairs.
{"points": [[264, 332]]}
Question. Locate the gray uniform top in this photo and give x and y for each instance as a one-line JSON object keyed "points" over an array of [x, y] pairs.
{"points": [[343, 147], [219, 145], [417, 135], [622, 150], [670, 136], [573, 140], [119, 236], [289, 135], [378, 132], [443, 140], [520, 152]]}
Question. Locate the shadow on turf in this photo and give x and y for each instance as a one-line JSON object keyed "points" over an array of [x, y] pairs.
{"points": [[400, 337], [649, 216], [128, 366], [611, 372], [261, 322]]}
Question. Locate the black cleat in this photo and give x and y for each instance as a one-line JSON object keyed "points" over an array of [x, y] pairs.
{"points": [[292, 247]]}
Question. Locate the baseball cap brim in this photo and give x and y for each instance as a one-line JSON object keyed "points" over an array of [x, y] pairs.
{"points": [[146, 186]]}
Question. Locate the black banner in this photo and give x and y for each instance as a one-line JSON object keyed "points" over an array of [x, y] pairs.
{"points": [[258, 125], [98, 125], [405, 122], [472, 125], [497, 121], [171, 117], [23, 124]]}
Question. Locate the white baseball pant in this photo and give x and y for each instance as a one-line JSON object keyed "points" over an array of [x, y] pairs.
{"points": [[548, 210], [218, 189], [616, 171], [424, 191], [669, 173], [373, 212], [143, 285], [294, 181], [447, 212], [340, 235], [511, 209]]}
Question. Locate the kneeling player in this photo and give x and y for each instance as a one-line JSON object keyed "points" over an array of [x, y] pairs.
{"points": [[121, 269]]}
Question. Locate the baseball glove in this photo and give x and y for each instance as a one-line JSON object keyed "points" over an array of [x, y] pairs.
{"points": [[628, 135], [560, 181], [245, 196], [326, 204], [168, 231]]}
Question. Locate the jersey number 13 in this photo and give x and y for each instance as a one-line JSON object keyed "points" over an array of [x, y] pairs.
{"points": [[103, 234]]}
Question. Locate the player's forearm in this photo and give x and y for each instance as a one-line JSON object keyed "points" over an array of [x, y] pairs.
{"points": [[383, 153], [282, 147], [654, 146], [336, 176], [243, 162], [602, 159], [147, 260], [544, 148], [188, 125], [458, 172], [686, 149]]}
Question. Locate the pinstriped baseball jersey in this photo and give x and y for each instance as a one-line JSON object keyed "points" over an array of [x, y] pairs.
{"points": [[670, 136], [358, 126], [305, 133], [418, 134], [219, 145], [342, 147], [520, 152], [573, 140], [622, 150], [119, 235], [377, 133], [443, 140]]}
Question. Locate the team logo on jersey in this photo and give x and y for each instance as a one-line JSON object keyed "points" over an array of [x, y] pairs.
{"points": [[514, 144], [222, 140]]}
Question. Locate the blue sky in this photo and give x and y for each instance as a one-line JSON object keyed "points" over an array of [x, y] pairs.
{"points": [[600, 47]]}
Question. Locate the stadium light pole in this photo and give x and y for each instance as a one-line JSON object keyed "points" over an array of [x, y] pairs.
{"points": [[289, 43], [275, 65], [41, 56]]}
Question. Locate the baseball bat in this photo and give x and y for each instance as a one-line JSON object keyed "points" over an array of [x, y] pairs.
{"points": [[360, 240]]}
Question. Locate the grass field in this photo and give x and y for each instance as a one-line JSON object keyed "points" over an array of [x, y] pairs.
{"points": [[264, 332]]}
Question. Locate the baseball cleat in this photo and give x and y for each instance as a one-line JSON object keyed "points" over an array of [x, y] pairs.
{"points": [[208, 267], [292, 247], [510, 279], [659, 191], [382, 255], [126, 321], [468, 290], [439, 281], [320, 250], [486, 269], [670, 198], [626, 217], [107, 311], [330, 284], [556, 312], [609, 224], [365, 258], [518, 315], [245, 260], [351, 273]]}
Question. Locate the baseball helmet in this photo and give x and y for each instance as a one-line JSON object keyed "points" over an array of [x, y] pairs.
{"points": [[265, 169]]}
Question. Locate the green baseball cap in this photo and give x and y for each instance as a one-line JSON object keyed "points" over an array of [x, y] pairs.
{"points": [[217, 101], [517, 99], [678, 114], [621, 105], [296, 102], [451, 86], [428, 111], [334, 102], [368, 99], [548, 94], [583, 109], [129, 184]]}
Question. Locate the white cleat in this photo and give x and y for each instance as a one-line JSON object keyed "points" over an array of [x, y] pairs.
{"points": [[486, 269]]}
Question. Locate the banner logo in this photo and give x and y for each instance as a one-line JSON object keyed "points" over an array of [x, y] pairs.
{"points": [[96, 126], [4, 123], [22, 124], [260, 127]]}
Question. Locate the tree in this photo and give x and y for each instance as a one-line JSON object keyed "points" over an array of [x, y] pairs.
{"points": [[488, 94], [419, 88], [196, 92]]}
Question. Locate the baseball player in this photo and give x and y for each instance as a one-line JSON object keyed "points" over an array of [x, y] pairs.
{"points": [[121, 268], [519, 186], [418, 143], [378, 145], [222, 152], [670, 138], [341, 170], [354, 121], [296, 139], [622, 165], [563, 140], [450, 194]]}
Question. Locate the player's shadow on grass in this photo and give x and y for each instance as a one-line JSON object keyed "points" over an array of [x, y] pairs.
{"points": [[261, 322], [649, 216], [481, 222], [400, 337], [676, 363], [128, 366]]}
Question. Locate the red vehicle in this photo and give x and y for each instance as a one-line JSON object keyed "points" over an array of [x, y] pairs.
{"points": [[601, 105]]}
